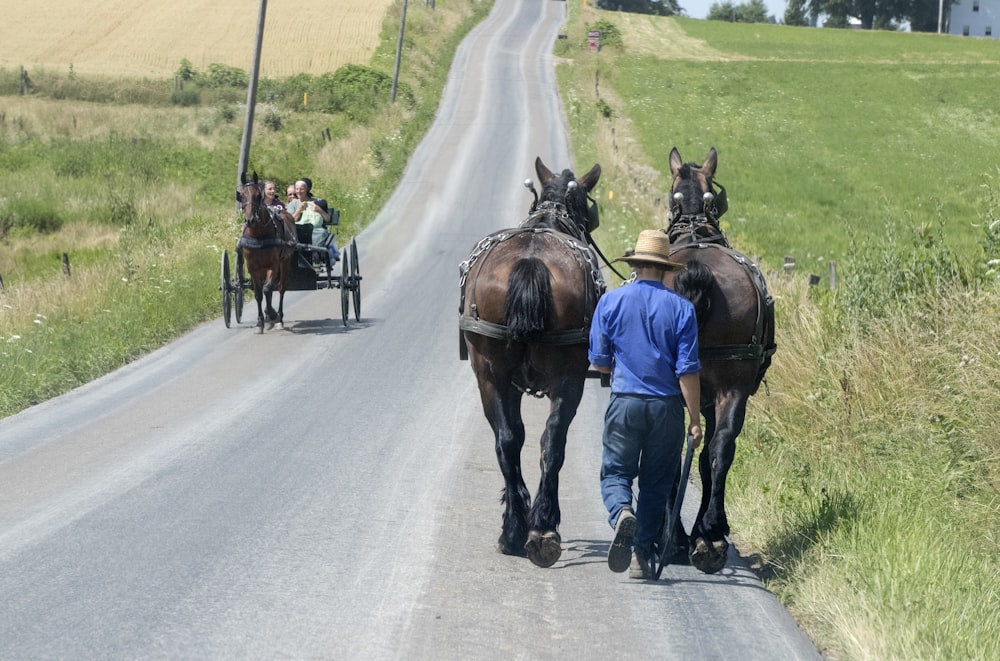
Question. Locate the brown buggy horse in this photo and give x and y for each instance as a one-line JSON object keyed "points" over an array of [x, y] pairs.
{"points": [[527, 299], [735, 335], [268, 245]]}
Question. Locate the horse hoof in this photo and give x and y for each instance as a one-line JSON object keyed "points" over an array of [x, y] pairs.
{"points": [[709, 557], [269, 325], [509, 550], [260, 330], [279, 326], [543, 548]]}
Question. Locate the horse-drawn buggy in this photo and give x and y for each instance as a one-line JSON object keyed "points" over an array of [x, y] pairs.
{"points": [[274, 254]]}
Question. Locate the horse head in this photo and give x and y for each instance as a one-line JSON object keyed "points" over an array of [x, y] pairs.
{"points": [[564, 198], [696, 200], [250, 197]]}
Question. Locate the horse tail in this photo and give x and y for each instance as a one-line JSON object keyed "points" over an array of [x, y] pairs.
{"points": [[694, 284], [529, 299]]}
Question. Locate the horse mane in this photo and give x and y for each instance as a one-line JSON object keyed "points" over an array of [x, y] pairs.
{"points": [[694, 284]]}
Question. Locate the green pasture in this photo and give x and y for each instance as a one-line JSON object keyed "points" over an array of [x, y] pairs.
{"points": [[866, 487], [825, 133]]}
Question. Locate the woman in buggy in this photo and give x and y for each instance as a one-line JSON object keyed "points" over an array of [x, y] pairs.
{"points": [[312, 211]]}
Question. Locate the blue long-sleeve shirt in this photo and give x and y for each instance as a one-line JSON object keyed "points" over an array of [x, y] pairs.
{"points": [[648, 334]]}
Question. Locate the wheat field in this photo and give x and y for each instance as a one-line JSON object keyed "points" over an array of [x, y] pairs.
{"points": [[147, 38]]}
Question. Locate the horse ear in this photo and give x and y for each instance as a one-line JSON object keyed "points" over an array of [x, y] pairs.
{"points": [[711, 161], [243, 177], [255, 177], [675, 161], [589, 180], [544, 174]]}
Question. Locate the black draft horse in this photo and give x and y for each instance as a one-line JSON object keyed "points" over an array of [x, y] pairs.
{"points": [[268, 245], [528, 297], [735, 335]]}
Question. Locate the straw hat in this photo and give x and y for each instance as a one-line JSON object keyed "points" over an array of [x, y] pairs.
{"points": [[652, 247]]}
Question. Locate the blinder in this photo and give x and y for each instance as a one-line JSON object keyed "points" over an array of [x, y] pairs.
{"points": [[720, 204], [593, 215]]}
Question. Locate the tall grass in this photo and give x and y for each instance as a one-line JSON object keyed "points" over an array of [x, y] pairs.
{"points": [[866, 485]]}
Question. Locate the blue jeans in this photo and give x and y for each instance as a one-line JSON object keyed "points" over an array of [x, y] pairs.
{"points": [[643, 437]]}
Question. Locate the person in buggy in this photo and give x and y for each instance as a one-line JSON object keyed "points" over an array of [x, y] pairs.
{"points": [[307, 210]]}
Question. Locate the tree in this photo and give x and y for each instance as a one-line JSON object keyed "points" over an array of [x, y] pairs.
{"points": [[882, 14], [795, 13], [754, 11], [656, 7]]}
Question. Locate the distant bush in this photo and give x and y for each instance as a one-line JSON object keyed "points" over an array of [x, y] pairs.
{"points": [[29, 215], [221, 75], [186, 71], [611, 36], [226, 114], [185, 97], [273, 121]]}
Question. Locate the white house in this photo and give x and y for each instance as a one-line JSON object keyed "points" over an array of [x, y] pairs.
{"points": [[975, 18]]}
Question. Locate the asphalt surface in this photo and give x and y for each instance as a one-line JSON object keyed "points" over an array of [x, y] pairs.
{"points": [[332, 493]]}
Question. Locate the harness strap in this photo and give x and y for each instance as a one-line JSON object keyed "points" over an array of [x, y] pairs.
{"points": [[762, 345], [501, 332], [595, 285]]}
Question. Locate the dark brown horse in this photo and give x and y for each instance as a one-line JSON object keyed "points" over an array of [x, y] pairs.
{"points": [[528, 297], [267, 245], [735, 335]]}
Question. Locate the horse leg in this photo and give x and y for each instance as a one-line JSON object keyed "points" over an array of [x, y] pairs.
{"points": [[284, 268], [544, 542], [710, 547], [268, 292], [258, 295], [280, 323], [502, 406]]}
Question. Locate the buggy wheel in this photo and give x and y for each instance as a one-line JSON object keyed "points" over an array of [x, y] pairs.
{"points": [[345, 300], [240, 289], [227, 301], [355, 280]]}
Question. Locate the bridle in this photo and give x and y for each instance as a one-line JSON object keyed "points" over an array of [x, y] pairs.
{"points": [[259, 213], [560, 211], [702, 226]]}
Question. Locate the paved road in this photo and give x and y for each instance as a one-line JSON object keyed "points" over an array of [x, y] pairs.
{"points": [[325, 492]]}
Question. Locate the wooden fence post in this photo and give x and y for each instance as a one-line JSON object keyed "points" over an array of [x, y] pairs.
{"points": [[65, 264], [833, 274], [789, 265]]}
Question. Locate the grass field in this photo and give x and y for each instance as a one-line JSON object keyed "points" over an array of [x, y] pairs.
{"points": [[866, 484], [147, 38]]}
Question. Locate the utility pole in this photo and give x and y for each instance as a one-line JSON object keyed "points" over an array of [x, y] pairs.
{"points": [[251, 96], [399, 53]]}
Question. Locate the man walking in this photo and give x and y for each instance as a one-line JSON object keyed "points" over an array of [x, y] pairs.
{"points": [[646, 336]]}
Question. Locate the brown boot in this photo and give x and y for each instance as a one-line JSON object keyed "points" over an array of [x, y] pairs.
{"points": [[621, 545]]}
